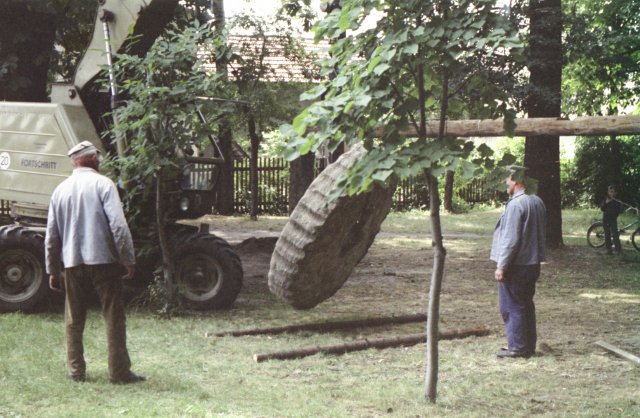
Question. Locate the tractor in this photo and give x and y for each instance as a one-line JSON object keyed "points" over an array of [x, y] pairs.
{"points": [[35, 139]]}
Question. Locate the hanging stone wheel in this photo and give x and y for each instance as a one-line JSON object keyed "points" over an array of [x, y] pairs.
{"points": [[321, 244]]}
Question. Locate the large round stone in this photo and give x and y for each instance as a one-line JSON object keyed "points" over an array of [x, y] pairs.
{"points": [[321, 243]]}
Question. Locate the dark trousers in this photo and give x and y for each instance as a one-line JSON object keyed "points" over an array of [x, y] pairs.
{"points": [[611, 231], [518, 311], [106, 279]]}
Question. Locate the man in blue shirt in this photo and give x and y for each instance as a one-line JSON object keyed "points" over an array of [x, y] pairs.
{"points": [[518, 248], [88, 233]]}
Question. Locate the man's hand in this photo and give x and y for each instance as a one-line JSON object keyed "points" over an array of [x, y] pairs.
{"points": [[499, 275], [55, 283], [130, 272]]}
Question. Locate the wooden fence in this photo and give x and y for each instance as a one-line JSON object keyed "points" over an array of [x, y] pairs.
{"points": [[273, 186], [273, 189]]}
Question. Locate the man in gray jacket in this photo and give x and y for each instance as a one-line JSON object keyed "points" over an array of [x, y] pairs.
{"points": [[88, 233], [518, 248]]}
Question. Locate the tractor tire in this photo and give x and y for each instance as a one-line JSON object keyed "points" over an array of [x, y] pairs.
{"points": [[323, 242], [208, 272], [23, 279]]}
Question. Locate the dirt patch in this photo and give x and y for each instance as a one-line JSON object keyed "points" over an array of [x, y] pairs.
{"points": [[577, 301], [255, 254]]}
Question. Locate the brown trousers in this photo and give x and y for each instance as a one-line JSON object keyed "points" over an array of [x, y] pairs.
{"points": [[106, 279]]}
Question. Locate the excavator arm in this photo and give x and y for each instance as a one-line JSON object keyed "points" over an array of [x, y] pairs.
{"points": [[125, 24]]}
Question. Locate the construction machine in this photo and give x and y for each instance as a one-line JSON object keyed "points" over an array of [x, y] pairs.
{"points": [[35, 139]]}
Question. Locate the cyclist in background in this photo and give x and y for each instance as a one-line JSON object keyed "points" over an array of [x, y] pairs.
{"points": [[611, 208]]}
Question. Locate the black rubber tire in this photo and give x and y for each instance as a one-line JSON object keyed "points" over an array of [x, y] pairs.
{"points": [[208, 272], [23, 279], [595, 235], [635, 239]]}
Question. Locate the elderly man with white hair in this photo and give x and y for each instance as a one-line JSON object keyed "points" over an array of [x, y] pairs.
{"points": [[87, 233]]}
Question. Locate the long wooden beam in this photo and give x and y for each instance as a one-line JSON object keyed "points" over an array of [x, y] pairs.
{"points": [[619, 352], [585, 126], [328, 326], [365, 344]]}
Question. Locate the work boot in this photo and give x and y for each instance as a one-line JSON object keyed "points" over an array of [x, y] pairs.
{"points": [[77, 378], [130, 377]]}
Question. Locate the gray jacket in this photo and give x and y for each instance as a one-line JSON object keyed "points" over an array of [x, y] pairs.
{"points": [[519, 237], [86, 224]]}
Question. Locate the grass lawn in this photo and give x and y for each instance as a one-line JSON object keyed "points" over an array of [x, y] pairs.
{"points": [[583, 296]]}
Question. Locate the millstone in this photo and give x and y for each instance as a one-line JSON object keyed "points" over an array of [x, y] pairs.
{"points": [[321, 244]]}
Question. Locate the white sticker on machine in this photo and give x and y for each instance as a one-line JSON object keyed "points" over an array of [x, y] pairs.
{"points": [[5, 160]]}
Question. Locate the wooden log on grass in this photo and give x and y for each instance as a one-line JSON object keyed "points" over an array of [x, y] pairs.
{"points": [[365, 344], [619, 352], [328, 326]]}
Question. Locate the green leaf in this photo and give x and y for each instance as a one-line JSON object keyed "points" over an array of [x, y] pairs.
{"points": [[382, 175], [468, 169], [313, 94], [381, 68], [507, 160], [411, 49], [362, 99], [344, 22], [485, 150], [299, 124], [388, 53], [374, 62]]}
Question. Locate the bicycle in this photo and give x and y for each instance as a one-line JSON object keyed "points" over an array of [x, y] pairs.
{"points": [[595, 233]]}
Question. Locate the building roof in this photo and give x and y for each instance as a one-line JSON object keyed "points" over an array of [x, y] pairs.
{"points": [[279, 58]]}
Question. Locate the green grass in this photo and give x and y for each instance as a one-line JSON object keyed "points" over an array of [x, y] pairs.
{"points": [[583, 296], [481, 221]]}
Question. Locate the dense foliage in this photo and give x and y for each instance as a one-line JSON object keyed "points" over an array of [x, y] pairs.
{"points": [[159, 116], [600, 162], [387, 77], [601, 75]]}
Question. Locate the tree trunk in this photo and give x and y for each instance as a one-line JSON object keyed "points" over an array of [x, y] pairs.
{"points": [[542, 153], [300, 179], [448, 191], [168, 266], [437, 274], [225, 187], [439, 252], [25, 52], [253, 165]]}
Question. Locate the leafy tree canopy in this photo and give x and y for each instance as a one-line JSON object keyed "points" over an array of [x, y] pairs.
{"points": [[600, 162], [603, 51], [271, 91], [396, 73], [163, 89], [159, 118]]}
